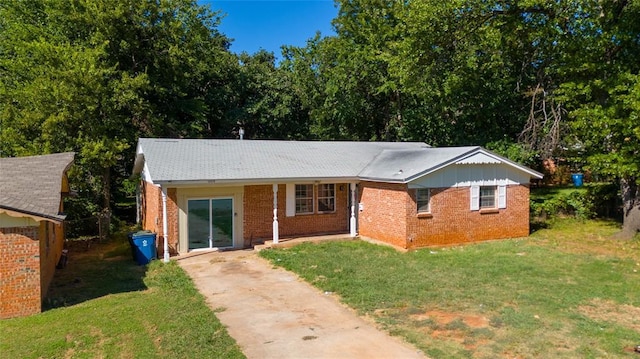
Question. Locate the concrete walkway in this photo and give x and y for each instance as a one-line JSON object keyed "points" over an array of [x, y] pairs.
{"points": [[273, 314]]}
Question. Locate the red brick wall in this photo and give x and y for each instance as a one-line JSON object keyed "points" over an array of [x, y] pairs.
{"points": [[172, 223], [390, 215], [151, 202], [258, 215], [51, 244], [452, 222], [385, 212], [20, 292]]}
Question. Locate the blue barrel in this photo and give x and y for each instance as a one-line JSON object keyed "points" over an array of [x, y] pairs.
{"points": [[577, 179], [144, 247]]}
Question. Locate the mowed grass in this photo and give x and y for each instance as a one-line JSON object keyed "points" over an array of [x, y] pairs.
{"points": [[565, 292], [109, 307]]}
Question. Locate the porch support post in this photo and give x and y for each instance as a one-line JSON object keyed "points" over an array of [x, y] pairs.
{"points": [[352, 220], [165, 226], [275, 214]]}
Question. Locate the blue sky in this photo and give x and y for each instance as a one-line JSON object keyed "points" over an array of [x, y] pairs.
{"points": [[269, 24]]}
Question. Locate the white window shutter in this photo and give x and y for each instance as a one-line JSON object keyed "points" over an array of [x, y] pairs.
{"points": [[502, 196], [291, 200], [475, 198]]}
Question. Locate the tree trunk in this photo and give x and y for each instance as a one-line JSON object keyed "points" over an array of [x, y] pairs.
{"points": [[630, 207]]}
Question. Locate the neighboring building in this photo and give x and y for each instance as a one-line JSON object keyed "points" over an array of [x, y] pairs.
{"points": [[233, 193], [31, 229]]}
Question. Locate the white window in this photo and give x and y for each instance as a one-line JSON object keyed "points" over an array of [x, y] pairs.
{"points": [[487, 197], [304, 198], [326, 198], [423, 196]]}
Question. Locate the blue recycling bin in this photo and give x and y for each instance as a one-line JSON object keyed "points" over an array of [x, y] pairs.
{"points": [[577, 179], [144, 247]]}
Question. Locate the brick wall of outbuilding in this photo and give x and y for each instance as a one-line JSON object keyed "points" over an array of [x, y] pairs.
{"points": [[390, 215], [258, 215], [20, 292], [51, 245]]}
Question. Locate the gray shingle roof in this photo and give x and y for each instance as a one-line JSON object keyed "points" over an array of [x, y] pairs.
{"points": [[190, 160], [405, 165], [33, 184], [202, 160]]}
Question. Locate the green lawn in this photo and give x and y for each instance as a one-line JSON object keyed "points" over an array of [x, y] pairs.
{"points": [[566, 292], [109, 307]]}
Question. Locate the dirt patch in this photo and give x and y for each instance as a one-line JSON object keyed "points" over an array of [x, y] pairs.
{"points": [[610, 311], [444, 318]]}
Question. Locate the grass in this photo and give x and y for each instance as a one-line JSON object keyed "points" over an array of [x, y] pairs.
{"points": [[566, 292], [103, 305]]}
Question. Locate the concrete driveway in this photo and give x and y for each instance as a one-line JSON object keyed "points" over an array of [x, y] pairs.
{"points": [[273, 314]]}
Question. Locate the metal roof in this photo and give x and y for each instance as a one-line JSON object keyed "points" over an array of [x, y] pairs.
{"points": [[209, 160], [33, 185]]}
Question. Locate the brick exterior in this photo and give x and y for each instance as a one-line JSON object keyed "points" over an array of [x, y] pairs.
{"points": [[258, 215], [20, 282], [151, 216], [51, 245], [385, 212], [390, 215]]}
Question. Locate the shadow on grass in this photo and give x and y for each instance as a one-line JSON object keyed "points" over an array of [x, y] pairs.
{"points": [[93, 272]]}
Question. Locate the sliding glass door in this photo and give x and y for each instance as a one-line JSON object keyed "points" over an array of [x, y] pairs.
{"points": [[210, 223]]}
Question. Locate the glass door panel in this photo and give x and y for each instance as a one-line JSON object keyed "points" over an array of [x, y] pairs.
{"points": [[222, 222], [198, 215]]}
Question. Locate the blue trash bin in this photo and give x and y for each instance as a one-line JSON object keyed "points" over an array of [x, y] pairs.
{"points": [[577, 179], [144, 247]]}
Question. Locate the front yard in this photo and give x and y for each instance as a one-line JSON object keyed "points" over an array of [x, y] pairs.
{"points": [[106, 306], [566, 292]]}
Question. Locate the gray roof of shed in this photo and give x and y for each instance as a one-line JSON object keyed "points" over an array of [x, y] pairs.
{"points": [[184, 160], [33, 185]]}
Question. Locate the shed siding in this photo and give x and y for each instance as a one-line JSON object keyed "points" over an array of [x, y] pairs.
{"points": [[465, 175]]}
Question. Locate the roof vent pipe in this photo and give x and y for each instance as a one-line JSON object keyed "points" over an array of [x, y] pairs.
{"points": [[241, 133]]}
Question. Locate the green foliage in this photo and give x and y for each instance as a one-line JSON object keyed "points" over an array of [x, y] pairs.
{"points": [[93, 76], [590, 201], [516, 152]]}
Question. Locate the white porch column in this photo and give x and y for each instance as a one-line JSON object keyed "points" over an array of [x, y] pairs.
{"points": [[275, 213], [352, 220], [165, 226]]}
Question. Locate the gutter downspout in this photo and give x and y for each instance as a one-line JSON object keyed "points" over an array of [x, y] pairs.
{"points": [[164, 224]]}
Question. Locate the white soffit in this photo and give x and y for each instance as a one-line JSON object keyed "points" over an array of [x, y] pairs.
{"points": [[478, 158]]}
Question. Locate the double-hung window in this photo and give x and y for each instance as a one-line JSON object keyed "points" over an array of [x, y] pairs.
{"points": [[304, 198], [423, 196], [487, 197], [326, 198]]}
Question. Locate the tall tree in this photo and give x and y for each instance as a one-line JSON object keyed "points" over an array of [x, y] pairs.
{"points": [[603, 96], [92, 75]]}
